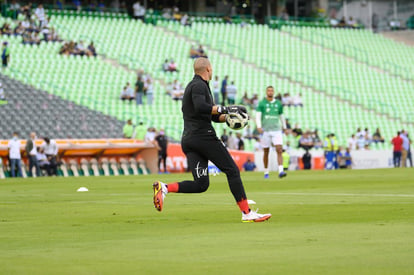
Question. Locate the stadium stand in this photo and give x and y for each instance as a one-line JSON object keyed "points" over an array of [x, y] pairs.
{"points": [[336, 86]]}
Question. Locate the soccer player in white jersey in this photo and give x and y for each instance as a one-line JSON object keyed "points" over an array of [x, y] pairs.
{"points": [[270, 123]]}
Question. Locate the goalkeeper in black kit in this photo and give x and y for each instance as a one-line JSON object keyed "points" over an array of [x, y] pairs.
{"points": [[200, 144]]}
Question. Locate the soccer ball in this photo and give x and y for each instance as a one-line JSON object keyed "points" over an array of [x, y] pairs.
{"points": [[237, 121]]}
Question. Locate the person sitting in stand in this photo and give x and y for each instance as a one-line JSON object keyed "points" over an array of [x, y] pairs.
{"points": [[5, 29], [91, 51], [165, 66], [377, 136], [127, 93], [306, 141], [172, 67], [19, 30], [297, 100]]}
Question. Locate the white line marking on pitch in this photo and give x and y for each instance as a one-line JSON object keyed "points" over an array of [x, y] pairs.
{"points": [[341, 194]]}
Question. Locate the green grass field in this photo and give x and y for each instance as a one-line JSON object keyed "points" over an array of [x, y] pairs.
{"points": [[324, 222]]}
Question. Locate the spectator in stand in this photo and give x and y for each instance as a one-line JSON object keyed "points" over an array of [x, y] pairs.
{"points": [[149, 91], [317, 142], [405, 148], [51, 150], [352, 143], [239, 142], [167, 13], [231, 93], [225, 138], [31, 152], [140, 131], [307, 160], [15, 155], [254, 101], [35, 38], [185, 20], [64, 50], [194, 52], [288, 129], [352, 22], [5, 55], [139, 90], [128, 130], [249, 165], [165, 65], [284, 14], [287, 100], [306, 141], [127, 93], [297, 129], [344, 158], [216, 90], [397, 143], [176, 13], [245, 100], [279, 97], [297, 100], [27, 11], [40, 15], [14, 9], [80, 48], [172, 67], [26, 24], [162, 144], [5, 29], [150, 136], [177, 91], [2, 95], [377, 136], [224, 90], [46, 34], [91, 51], [124, 94], [361, 142], [342, 22], [359, 132], [201, 51], [139, 11]]}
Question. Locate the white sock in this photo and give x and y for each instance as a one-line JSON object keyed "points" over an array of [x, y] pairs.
{"points": [[280, 168], [266, 171]]}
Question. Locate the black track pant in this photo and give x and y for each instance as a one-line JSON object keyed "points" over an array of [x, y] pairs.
{"points": [[199, 150]]}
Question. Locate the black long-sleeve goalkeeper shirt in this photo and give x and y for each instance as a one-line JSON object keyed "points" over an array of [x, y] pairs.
{"points": [[196, 108]]}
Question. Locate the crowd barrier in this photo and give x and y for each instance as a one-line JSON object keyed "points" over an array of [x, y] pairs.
{"points": [[361, 159]]}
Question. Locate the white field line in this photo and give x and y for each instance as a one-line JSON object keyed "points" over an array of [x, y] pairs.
{"points": [[340, 194]]}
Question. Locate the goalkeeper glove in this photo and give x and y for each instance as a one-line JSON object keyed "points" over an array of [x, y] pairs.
{"points": [[232, 109]]}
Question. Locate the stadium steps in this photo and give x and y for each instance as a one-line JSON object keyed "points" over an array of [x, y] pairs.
{"points": [[29, 109]]}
